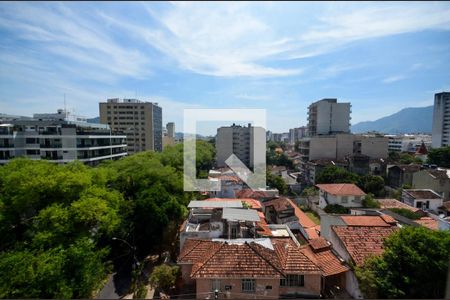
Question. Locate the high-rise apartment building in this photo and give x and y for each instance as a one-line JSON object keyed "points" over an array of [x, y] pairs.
{"points": [[140, 121], [441, 120], [170, 129], [295, 134], [60, 138], [239, 140], [327, 117]]}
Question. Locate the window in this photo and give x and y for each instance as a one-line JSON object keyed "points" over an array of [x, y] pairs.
{"points": [[344, 199], [228, 288], [248, 285], [268, 287], [357, 199], [31, 141], [293, 280], [215, 285]]}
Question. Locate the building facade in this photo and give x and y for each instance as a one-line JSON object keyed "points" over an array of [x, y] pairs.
{"points": [[408, 142], [328, 117], [239, 140], [140, 121], [441, 120], [57, 138]]}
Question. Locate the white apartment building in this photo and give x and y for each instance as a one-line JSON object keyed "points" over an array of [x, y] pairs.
{"points": [[327, 117], [408, 142], [441, 120], [140, 121], [241, 141], [58, 138]]}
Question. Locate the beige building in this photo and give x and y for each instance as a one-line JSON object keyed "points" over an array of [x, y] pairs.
{"points": [[328, 117], [140, 121], [240, 140], [436, 180], [339, 146]]}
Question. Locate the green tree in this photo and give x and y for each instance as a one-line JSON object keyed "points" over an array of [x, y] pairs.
{"points": [[336, 209], [372, 184], [334, 174], [276, 182], [439, 156], [413, 265], [370, 202], [164, 277]]}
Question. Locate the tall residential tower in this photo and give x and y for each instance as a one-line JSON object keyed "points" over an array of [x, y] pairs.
{"points": [[140, 121], [327, 117], [441, 120]]}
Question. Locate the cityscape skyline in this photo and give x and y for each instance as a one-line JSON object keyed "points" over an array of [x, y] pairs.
{"points": [[186, 55]]}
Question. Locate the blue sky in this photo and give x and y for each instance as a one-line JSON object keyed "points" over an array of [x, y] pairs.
{"points": [[381, 57]]}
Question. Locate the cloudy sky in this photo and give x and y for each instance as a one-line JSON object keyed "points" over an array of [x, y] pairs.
{"points": [[277, 56]]}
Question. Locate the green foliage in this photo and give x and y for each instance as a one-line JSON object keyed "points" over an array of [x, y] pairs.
{"points": [[164, 277], [278, 159], [372, 184], [310, 191], [370, 202], [440, 157], [336, 209], [406, 213], [57, 221], [394, 155], [413, 265], [276, 182], [334, 174]]}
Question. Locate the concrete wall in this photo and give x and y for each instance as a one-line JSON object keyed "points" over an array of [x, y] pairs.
{"points": [[322, 147], [423, 180], [205, 288], [326, 221], [344, 145], [375, 147], [352, 201], [224, 145]]}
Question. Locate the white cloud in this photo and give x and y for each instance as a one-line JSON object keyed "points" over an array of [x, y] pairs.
{"points": [[392, 79]]}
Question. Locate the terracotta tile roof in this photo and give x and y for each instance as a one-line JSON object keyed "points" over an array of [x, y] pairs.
{"points": [[233, 178], [231, 260], [249, 193], [394, 203], [363, 241], [312, 232], [303, 218], [446, 205], [428, 222], [194, 249], [327, 261], [422, 194], [319, 244], [422, 149], [253, 203], [388, 219], [345, 189], [279, 204], [294, 261], [366, 221]]}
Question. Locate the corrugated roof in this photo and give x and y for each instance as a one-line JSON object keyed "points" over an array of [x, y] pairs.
{"points": [[423, 194], [215, 204], [255, 204], [240, 214]]}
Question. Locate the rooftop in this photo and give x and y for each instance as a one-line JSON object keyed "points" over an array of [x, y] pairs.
{"points": [[255, 204], [236, 214], [428, 222], [368, 221], [362, 242], [215, 204], [344, 189], [249, 193], [423, 194], [394, 203], [326, 259]]}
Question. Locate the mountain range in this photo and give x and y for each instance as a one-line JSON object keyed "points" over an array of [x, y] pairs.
{"points": [[407, 120]]}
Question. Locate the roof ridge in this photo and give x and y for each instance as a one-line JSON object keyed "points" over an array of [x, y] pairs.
{"points": [[268, 261], [208, 258], [195, 246]]}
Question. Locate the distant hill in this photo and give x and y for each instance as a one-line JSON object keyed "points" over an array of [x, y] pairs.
{"points": [[408, 120], [95, 120]]}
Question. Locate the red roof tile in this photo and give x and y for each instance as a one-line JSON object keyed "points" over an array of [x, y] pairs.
{"points": [[372, 221], [319, 244], [294, 261], [232, 260], [327, 261], [364, 241], [345, 189], [394, 203], [428, 222], [249, 193], [194, 250]]}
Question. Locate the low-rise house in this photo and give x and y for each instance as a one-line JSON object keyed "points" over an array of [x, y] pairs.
{"points": [[345, 194], [437, 180], [261, 195], [359, 164], [222, 219], [249, 269], [394, 203], [399, 175], [424, 199], [356, 238], [229, 185], [285, 211]]}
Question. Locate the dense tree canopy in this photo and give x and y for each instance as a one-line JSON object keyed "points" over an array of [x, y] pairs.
{"points": [[440, 157], [334, 174], [57, 222], [414, 264], [276, 182]]}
